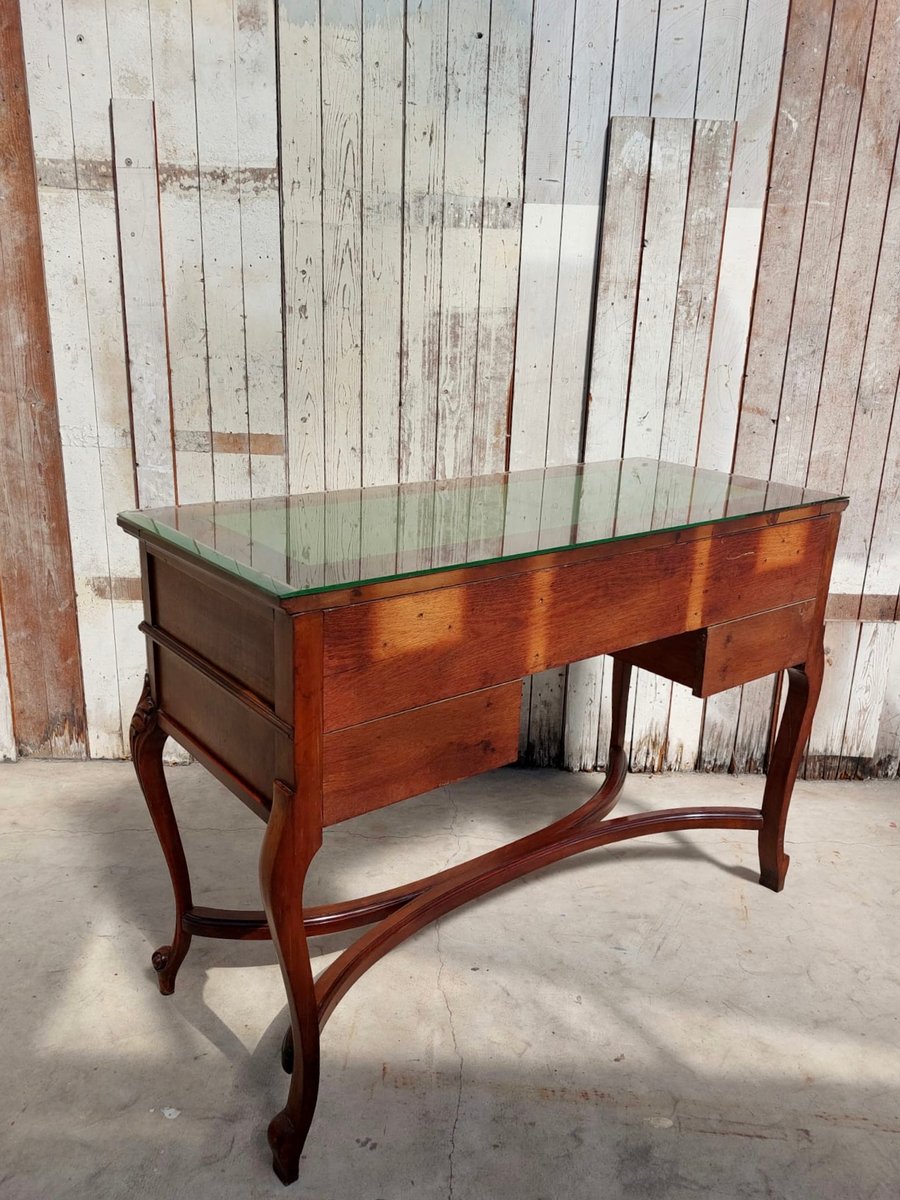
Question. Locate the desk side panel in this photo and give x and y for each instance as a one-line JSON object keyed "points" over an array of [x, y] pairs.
{"points": [[394, 654]]}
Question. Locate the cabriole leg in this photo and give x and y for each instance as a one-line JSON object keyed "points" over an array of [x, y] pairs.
{"points": [[287, 850], [804, 685], [147, 741]]}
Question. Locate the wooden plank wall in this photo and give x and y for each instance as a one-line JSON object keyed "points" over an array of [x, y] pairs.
{"points": [[318, 243]]}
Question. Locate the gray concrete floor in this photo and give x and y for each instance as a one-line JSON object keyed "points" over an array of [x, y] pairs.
{"points": [[641, 1022]]}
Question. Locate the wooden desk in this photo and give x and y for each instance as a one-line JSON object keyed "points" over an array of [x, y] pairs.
{"points": [[324, 656]]}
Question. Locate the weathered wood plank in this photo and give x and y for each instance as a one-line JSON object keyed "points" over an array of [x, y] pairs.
{"points": [[822, 233], [617, 285], [757, 99], [677, 63], [137, 204], [38, 599], [423, 210], [670, 159], [867, 697], [698, 277], [795, 133], [341, 230], [464, 133], [299, 74], [507, 106], [382, 240], [588, 123], [827, 735], [172, 47], [217, 147], [257, 153], [637, 22]]}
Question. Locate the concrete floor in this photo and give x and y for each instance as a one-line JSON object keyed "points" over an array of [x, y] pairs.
{"points": [[642, 1022]]}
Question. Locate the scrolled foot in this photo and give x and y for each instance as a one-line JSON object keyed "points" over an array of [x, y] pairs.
{"points": [[166, 961], [287, 1051], [286, 1144]]}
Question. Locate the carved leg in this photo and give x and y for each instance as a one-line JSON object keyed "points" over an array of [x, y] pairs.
{"points": [[147, 741], [804, 685], [288, 847]]}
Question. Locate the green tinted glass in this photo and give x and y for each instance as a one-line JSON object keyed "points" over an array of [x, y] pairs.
{"points": [[291, 545]]}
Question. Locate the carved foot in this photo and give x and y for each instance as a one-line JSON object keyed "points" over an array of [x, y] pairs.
{"points": [[287, 1051], [286, 1144], [166, 961]]}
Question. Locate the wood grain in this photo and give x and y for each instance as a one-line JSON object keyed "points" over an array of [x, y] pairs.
{"points": [[36, 579], [380, 762]]}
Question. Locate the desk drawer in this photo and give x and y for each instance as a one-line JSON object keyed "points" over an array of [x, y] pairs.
{"points": [[731, 653], [369, 766]]}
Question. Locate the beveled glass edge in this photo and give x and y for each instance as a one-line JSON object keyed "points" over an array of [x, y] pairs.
{"points": [[141, 520]]}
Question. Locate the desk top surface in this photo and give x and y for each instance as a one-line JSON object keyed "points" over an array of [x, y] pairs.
{"points": [[314, 542]]}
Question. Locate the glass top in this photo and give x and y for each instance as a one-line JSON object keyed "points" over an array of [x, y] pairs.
{"points": [[316, 542]]}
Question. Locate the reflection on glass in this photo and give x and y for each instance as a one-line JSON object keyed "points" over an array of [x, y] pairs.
{"points": [[291, 545]]}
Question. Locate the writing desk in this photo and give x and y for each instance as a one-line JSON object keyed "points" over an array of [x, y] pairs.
{"points": [[325, 655]]}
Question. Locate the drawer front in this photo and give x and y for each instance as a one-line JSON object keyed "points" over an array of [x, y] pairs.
{"points": [[244, 743], [387, 655], [369, 766], [233, 634], [733, 652], [739, 651]]}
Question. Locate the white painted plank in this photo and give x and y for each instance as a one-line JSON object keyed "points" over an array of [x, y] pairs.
{"points": [[341, 182], [301, 165], [717, 733], [864, 562], [382, 244], [670, 158], [754, 726], [130, 54], [464, 135], [89, 61], [142, 288], [830, 720], [257, 151], [886, 758], [545, 168], [677, 64], [867, 694], [719, 71], [179, 206], [585, 156], [822, 234], [757, 98], [426, 86], [636, 26], [883, 567], [698, 277], [510, 38], [217, 148], [617, 285]]}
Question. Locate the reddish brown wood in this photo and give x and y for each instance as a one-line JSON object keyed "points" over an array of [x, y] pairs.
{"points": [[36, 578], [381, 762], [726, 655], [386, 656], [717, 589], [147, 740], [500, 867], [293, 835], [190, 612]]}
